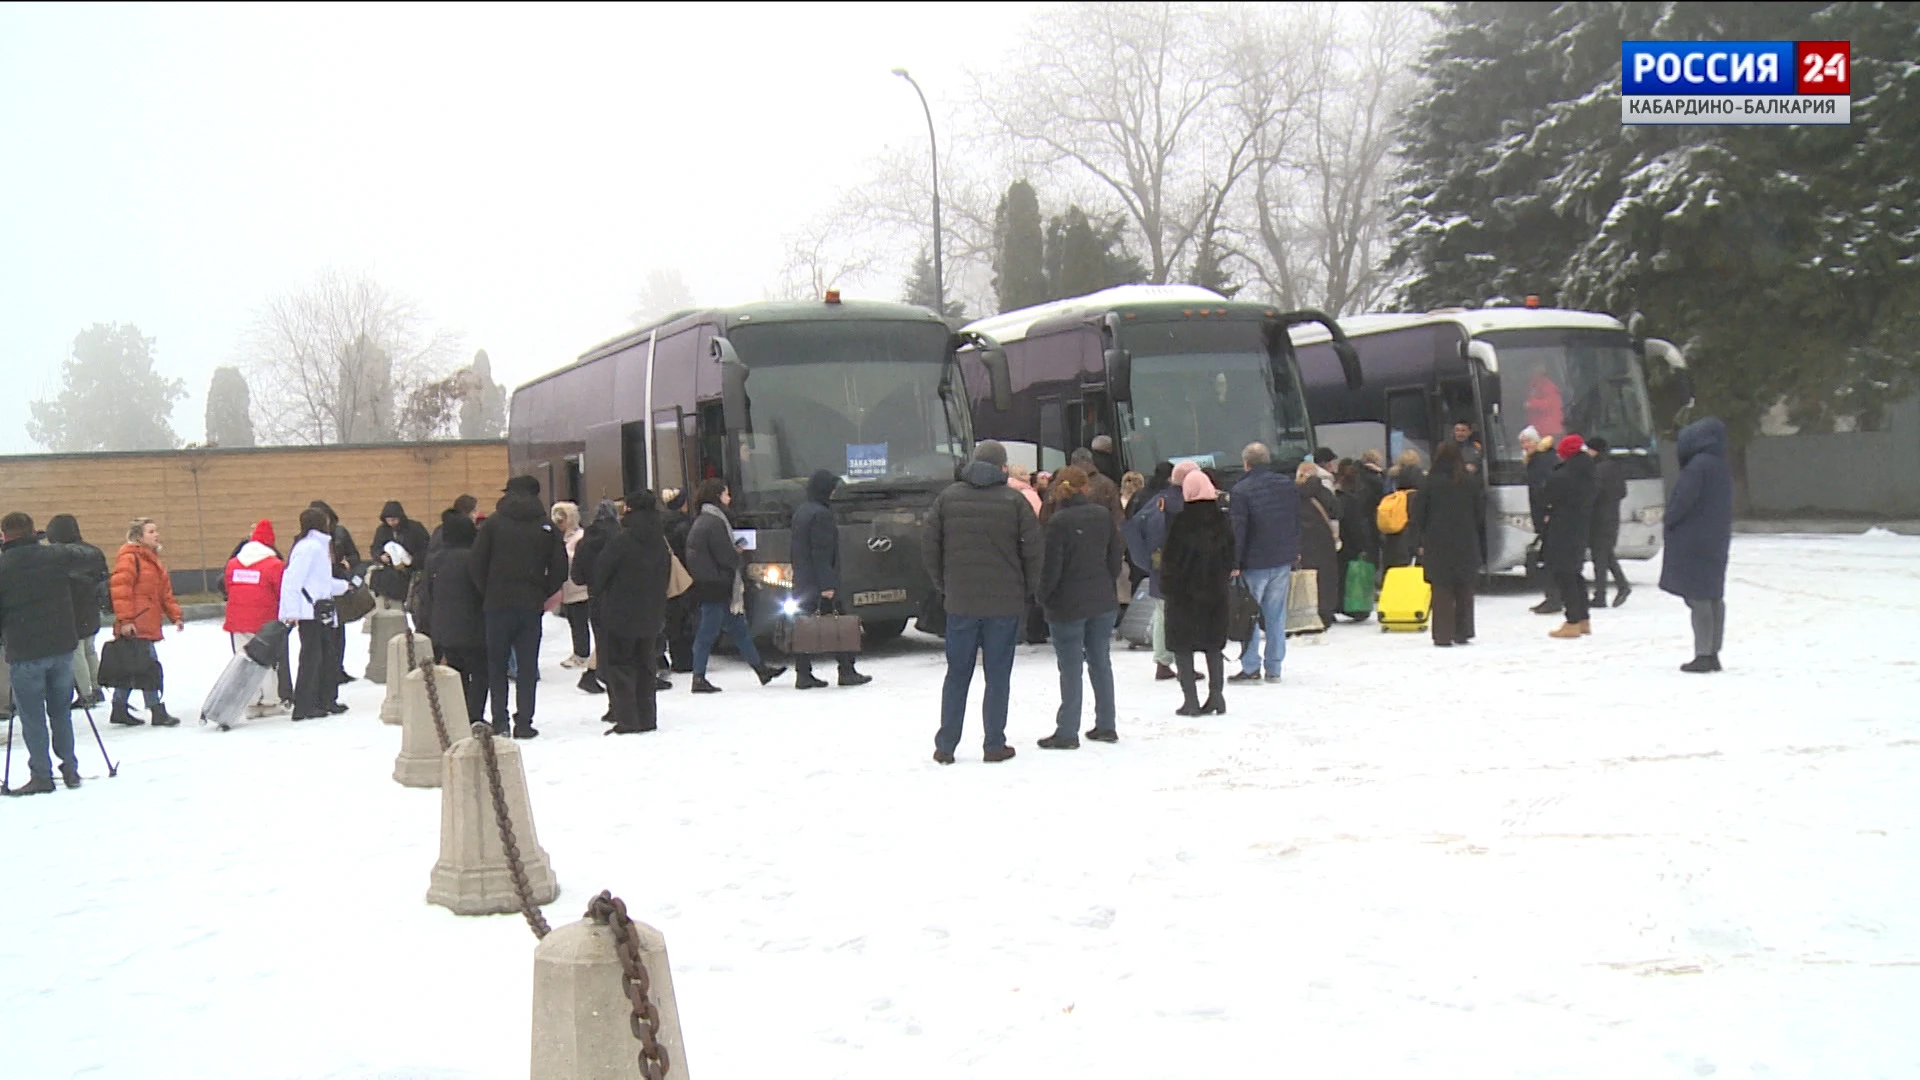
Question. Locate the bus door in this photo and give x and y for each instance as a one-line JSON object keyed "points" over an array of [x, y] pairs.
{"points": [[604, 469], [1409, 424], [669, 449]]}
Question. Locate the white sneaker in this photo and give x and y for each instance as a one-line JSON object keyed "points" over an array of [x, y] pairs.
{"points": [[572, 662], [261, 712]]}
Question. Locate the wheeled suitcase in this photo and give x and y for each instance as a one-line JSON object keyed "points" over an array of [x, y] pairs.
{"points": [[1405, 599], [1136, 629], [239, 685]]}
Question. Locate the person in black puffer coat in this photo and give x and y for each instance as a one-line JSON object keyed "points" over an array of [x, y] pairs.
{"points": [[1540, 459], [630, 585], [1699, 537], [816, 573], [680, 622], [1451, 506], [392, 580], [1610, 490], [456, 611], [1570, 493], [87, 579], [715, 564], [1196, 568], [1084, 554], [518, 563]]}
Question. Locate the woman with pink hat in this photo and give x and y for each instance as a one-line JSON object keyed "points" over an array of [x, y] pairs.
{"points": [[1196, 567]]}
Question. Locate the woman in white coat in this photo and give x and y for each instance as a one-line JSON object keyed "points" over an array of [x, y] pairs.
{"points": [[309, 578]]}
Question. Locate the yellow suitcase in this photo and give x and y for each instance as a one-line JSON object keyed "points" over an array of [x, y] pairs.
{"points": [[1405, 599]]}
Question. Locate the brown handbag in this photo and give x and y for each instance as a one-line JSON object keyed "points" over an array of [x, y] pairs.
{"points": [[824, 635]]}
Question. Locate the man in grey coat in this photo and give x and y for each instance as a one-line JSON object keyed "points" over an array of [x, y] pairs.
{"points": [[985, 553]]}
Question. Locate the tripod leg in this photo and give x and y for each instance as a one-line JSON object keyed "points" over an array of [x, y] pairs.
{"points": [[112, 769]]}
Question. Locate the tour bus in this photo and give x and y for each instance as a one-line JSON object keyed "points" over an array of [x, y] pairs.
{"points": [[1170, 372], [762, 395], [1501, 370]]}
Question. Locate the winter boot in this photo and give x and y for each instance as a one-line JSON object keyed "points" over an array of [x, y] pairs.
{"points": [[1548, 607], [1059, 742], [1163, 673], [1191, 707], [502, 729], [769, 673], [590, 683], [1700, 665], [1571, 630], [1103, 735], [524, 730], [158, 716], [806, 681], [850, 677], [662, 684], [702, 686], [1621, 596], [39, 785], [70, 776], [122, 716], [994, 757]]}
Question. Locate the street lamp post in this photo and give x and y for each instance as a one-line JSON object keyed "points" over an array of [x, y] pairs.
{"points": [[939, 281]]}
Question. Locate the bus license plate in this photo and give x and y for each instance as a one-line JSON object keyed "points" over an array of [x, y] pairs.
{"points": [[880, 596]]}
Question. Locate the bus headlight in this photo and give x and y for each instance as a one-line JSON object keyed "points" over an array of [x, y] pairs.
{"points": [[1651, 515], [789, 606], [771, 575], [1523, 522]]}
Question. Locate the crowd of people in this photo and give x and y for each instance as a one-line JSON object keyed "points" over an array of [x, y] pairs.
{"points": [[650, 584]]}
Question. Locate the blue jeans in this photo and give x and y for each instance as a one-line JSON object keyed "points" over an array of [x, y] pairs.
{"points": [[717, 619], [1084, 643], [968, 636], [43, 699], [1269, 588], [513, 636]]}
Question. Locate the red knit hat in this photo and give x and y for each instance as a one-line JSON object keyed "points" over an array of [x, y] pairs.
{"points": [[263, 533], [1570, 446]]}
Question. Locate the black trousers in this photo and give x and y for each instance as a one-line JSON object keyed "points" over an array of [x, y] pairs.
{"points": [[517, 632], [626, 667], [1189, 679], [472, 666], [1573, 593], [679, 634], [1452, 617], [1605, 563], [581, 626], [314, 690]]}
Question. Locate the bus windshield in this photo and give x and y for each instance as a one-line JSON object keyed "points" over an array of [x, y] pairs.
{"points": [[1201, 393], [1567, 381], [858, 399]]}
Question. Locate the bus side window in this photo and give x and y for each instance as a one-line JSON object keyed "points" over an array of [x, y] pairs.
{"points": [[1408, 425], [711, 440]]}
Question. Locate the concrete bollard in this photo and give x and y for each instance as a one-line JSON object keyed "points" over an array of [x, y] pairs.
{"points": [[471, 877], [581, 1021], [397, 660], [384, 624], [418, 764]]}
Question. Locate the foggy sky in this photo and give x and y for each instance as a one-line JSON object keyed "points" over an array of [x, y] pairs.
{"points": [[515, 170]]}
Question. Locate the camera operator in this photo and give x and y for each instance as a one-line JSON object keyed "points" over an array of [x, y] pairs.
{"points": [[36, 618]]}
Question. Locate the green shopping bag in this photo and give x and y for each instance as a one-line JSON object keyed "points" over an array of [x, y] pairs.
{"points": [[1358, 599]]}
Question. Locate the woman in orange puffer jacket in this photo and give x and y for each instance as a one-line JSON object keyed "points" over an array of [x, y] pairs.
{"points": [[142, 603]]}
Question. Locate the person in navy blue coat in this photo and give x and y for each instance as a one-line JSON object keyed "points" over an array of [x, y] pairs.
{"points": [[1699, 533]]}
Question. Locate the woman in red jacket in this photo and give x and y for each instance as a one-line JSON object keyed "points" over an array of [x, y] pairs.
{"points": [[253, 600]]}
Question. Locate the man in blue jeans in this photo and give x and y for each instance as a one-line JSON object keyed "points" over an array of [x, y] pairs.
{"points": [[984, 552], [36, 617], [1265, 511]]}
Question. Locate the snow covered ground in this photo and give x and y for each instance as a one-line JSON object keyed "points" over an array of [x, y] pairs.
{"points": [[1527, 858]]}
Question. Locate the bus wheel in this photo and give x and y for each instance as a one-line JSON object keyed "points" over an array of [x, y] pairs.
{"points": [[883, 630]]}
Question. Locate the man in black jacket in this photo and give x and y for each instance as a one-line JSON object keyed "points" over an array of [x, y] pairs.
{"points": [[1569, 495], [1539, 463], [1610, 490], [816, 573], [36, 618], [87, 582], [985, 553], [395, 574], [518, 562]]}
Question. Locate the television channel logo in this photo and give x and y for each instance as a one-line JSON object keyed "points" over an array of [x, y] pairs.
{"points": [[1736, 82]]}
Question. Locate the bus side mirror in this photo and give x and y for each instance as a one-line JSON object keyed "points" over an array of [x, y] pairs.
{"points": [[1483, 352], [1120, 375], [733, 394], [1349, 363], [999, 375]]}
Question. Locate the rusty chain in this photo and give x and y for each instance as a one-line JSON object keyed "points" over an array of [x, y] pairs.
{"points": [[433, 684], [536, 920], [610, 911]]}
